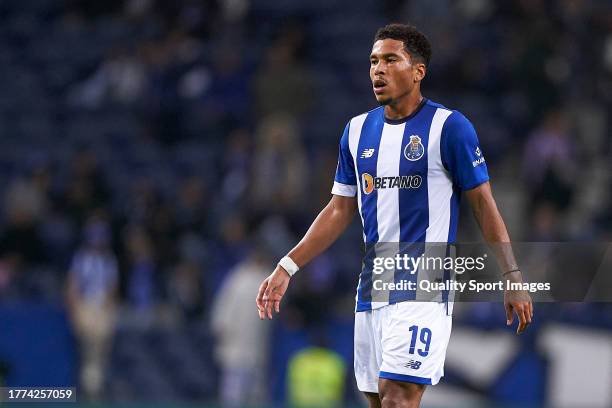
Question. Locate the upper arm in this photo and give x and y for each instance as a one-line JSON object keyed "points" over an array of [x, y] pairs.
{"points": [[343, 204], [461, 152], [486, 213], [480, 194]]}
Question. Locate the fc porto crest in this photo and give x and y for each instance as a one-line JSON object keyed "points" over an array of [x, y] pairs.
{"points": [[414, 150]]}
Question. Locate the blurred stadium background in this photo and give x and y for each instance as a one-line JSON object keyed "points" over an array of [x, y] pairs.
{"points": [[158, 157]]}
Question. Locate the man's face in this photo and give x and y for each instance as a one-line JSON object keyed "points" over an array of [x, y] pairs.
{"points": [[392, 71]]}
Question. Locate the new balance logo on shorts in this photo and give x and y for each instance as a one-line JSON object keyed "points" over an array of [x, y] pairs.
{"points": [[415, 365]]}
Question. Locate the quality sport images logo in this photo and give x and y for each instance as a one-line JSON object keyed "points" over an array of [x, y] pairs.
{"points": [[370, 183]]}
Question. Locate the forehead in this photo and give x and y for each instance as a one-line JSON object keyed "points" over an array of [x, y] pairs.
{"points": [[388, 46]]}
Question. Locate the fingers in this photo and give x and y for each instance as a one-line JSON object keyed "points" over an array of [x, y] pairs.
{"points": [[266, 299], [273, 304], [521, 313], [271, 300], [524, 312], [260, 299], [269, 305], [509, 316], [269, 297]]}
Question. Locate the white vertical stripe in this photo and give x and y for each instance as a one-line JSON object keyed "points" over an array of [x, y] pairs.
{"points": [[387, 206], [354, 135], [439, 183]]}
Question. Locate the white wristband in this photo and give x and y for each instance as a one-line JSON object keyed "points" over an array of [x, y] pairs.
{"points": [[287, 264]]}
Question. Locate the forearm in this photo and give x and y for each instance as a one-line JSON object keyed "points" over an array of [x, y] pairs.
{"points": [[495, 233], [494, 230], [324, 231]]}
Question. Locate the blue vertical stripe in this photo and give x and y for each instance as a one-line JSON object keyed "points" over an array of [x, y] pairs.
{"points": [[413, 203], [452, 236], [454, 215]]}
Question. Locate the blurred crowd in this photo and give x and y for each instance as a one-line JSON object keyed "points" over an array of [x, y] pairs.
{"points": [[152, 150]]}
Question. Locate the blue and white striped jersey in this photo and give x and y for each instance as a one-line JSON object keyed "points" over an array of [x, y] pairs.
{"points": [[408, 175]]}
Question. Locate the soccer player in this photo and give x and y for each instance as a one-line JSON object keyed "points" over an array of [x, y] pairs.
{"points": [[404, 166]]}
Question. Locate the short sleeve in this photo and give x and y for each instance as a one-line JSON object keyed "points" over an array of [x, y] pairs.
{"points": [[345, 183], [461, 152]]}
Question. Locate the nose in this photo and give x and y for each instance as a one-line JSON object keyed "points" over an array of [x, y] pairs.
{"points": [[379, 68]]}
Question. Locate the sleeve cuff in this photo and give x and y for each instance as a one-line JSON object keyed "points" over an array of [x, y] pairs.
{"points": [[345, 190]]}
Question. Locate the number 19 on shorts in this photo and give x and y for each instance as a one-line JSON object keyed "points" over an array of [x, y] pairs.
{"points": [[424, 337]]}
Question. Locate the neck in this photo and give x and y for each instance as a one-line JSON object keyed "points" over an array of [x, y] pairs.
{"points": [[404, 106]]}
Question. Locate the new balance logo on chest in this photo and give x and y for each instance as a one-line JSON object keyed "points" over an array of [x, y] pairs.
{"points": [[367, 153]]}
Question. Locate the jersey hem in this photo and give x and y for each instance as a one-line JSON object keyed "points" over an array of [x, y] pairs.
{"points": [[367, 306], [404, 378]]}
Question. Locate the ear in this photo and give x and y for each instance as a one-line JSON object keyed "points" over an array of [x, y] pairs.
{"points": [[421, 70]]}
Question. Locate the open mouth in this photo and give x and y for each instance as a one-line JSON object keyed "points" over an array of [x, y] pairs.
{"points": [[379, 86]]}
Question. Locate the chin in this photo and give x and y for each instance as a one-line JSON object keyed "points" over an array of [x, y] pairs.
{"points": [[383, 100]]}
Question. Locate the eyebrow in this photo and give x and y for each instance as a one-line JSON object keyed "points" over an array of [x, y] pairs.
{"points": [[386, 55]]}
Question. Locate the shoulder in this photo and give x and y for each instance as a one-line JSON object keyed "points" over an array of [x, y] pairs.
{"points": [[454, 116], [456, 124], [437, 105], [456, 128], [356, 122], [361, 117], [457, 118]]}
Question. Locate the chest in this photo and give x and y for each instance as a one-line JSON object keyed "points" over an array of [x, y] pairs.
{"points": [[396, 150]]}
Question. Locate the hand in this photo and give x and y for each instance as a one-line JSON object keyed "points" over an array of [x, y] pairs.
{"points": [[271, 291], [518, 301]]}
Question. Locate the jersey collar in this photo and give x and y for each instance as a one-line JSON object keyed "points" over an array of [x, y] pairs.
{"points": [[404, 119]]}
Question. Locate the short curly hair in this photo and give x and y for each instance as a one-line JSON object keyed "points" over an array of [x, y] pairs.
{"points": [[415, 42]]}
